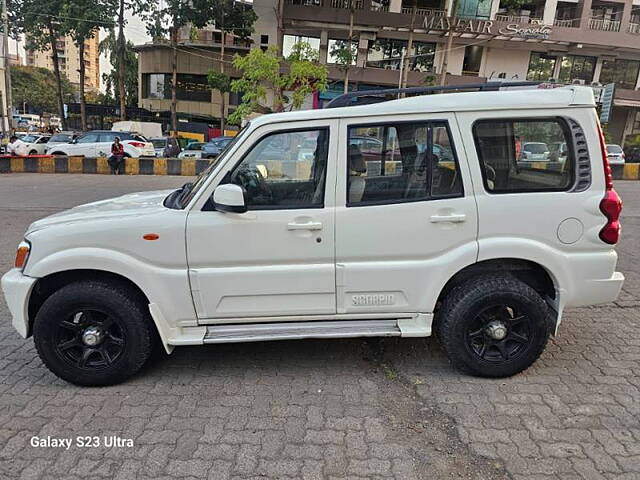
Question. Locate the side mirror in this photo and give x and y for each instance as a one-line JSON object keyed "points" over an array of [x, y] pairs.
{"points": [[229, 198]]}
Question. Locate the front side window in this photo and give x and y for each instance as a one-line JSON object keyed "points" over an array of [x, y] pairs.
{"points": [[284, 170], [524, 155], [88, 138], [401, 162]]}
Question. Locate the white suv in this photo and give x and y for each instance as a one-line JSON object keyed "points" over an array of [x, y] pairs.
{"points": [[97, 143], [437, 227]]}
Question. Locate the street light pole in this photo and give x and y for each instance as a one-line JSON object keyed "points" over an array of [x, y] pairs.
{"points": [[5, 61]]}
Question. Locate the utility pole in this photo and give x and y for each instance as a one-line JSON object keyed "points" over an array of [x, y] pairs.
{"points": [[445, 57], [6, 68]]}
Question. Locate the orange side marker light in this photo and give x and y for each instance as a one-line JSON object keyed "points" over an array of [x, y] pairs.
{"points": [[151, 236]]}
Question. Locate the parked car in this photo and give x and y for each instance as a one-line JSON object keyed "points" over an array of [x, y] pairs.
{"points": [[97, 143], [215, 146], [193, 150], [534, 152], [615, 154], [60, 137], [484, 255], [36, 143], [558, 151]]}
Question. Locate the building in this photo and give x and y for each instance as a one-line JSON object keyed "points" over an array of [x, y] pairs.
{"points": [[590, 42], [69, 60]]}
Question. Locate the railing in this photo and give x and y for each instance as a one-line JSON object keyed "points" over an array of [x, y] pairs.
{"points": [[634, 28], [425, 12], [604, 25], [517, 19], [571, 23], [379, 7], [347, 4], [305, 3]]}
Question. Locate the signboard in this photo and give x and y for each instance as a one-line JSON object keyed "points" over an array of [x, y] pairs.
{"points": [[487, 27], [606, 98]]}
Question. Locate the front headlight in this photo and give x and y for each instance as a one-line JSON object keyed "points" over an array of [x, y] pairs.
{"points": [[22, 254]]}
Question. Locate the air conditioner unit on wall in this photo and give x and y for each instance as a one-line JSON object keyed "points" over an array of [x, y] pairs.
{"points": [[577, 81]]}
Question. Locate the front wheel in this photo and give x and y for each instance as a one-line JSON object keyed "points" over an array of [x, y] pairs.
{"points": [[493, 327], [93, 333]]}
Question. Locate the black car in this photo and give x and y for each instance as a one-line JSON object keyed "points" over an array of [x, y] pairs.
{"points": [[215, 146]]}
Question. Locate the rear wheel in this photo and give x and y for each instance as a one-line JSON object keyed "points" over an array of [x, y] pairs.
{"points": [[493, 327], [93, 333], [33, 152]]}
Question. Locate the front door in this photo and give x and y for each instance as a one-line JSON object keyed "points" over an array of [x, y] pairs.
{"points": [[277, 259], [406, 217], [85, 145]]}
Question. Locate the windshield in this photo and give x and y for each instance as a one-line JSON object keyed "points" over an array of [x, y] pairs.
{"points": [[192, 189], [536, 147], [29, 138], [614, 149]]}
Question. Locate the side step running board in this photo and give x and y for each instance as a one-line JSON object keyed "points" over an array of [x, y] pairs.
{"points": [[256, 332]]}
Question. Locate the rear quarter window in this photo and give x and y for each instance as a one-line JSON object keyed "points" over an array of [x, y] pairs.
{"points": [[525, 155]]}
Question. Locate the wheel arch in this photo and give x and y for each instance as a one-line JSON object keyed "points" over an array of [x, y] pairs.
{"points": [[537, 276], [47, 285]]}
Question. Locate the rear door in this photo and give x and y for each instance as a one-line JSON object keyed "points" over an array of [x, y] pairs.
{"points": [[406, 218], [85, 145], [103, 147]]}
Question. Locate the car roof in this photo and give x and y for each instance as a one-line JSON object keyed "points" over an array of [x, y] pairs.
{"points": [[536, 98]]}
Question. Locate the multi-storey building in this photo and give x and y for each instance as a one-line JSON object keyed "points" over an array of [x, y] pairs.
{"points": [[69, 60], [402, 42]]}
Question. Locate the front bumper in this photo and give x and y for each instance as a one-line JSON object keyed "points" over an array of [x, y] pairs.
{"points": [[17, 289]]}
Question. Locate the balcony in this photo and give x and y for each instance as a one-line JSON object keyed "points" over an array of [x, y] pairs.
{"points": [[521, 19], [604, 25], [634, 28], [425, 12], [346, 4], [570, 23]]}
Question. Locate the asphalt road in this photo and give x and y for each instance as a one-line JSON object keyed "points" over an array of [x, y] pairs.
{"points": [[326, 409]]}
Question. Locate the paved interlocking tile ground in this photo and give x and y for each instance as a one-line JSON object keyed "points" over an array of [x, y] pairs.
{"points": [[328, 409]]}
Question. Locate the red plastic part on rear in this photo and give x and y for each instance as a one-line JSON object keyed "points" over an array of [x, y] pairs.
{"points": [[611, 204]]}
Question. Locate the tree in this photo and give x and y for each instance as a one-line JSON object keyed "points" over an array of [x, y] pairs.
{"points": [[128, 71], [262, 74], [447, 50], [220, 82], [36, 87], [38, 18], [344, 53], [235, 18], [168, 18], [83, 23]]}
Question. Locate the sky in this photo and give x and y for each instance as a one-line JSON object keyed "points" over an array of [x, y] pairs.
{"points": [[134, 30]]}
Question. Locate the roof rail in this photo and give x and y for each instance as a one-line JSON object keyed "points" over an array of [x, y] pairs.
{"points": [[377, 96]]}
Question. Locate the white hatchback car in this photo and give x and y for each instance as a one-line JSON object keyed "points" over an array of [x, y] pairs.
{"points": [[36, 143], [97, 143], [405, 241]]}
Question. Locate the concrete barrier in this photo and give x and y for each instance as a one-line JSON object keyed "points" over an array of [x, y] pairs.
{"points": [[133, 166], [190, 166]]}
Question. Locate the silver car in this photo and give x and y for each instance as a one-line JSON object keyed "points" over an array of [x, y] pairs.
{"points": [[615, 155]]}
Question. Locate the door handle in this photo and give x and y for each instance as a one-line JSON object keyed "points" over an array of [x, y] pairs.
{"points": [[304, 226], [451, 218]]}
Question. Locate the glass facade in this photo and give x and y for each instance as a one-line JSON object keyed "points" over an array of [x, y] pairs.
{"points": [[541, 66], [193, 88], [387, 53], [288, 41], [474, 9], [624, 73], [576, 67]]}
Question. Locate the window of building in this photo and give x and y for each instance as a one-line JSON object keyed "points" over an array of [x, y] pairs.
{"points": [[474, 9], [335, 46], [288, 41], [284, 170], [624, 73], [524, 155], [154, 86], [402, 162], [194, 88], [387, 53], [472, 60], [577, 67], [264, 39], [541, 66]]}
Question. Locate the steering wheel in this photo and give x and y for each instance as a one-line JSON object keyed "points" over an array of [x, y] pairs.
{"points": [[252, 180]]}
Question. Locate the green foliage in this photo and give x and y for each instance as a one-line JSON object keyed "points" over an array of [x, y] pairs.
{"points": [[37, 88], [230, 16], [345, 53], [513, 6], [108, 46], [219, 81], [262, 72]]}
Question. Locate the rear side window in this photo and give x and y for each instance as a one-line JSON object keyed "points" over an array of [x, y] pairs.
{"points": [[401, 162], [522, 155]]}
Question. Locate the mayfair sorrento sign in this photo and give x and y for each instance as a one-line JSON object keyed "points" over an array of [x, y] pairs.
{"points": [[487, 27]]}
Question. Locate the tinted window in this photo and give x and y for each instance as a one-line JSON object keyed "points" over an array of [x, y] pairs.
{"points": [[614, 149], [401, 162], [159, 142], [110, 137], [60, 137], [284, 170], [515, 156], [88, 138]]}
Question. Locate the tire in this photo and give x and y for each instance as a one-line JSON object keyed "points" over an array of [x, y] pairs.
{"points": [[122, 338], [62, 154], [33, 152], [470, 325]]}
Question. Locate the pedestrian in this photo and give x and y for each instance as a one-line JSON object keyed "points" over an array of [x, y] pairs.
{"points": [[116, 160], [16, 147]]}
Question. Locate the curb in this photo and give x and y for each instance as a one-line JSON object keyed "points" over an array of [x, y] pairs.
{"points": [[133, 166], [186, 167]]}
